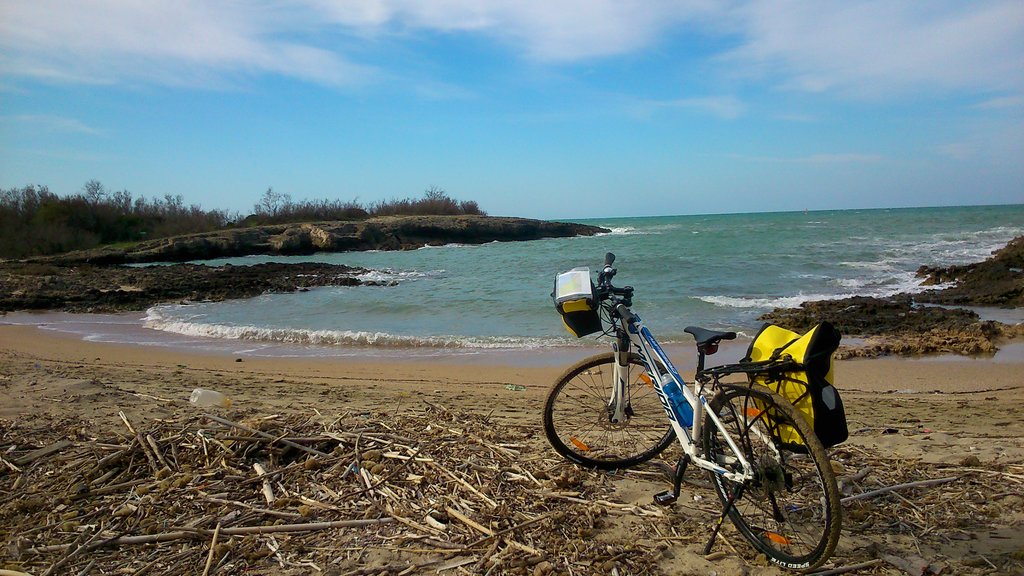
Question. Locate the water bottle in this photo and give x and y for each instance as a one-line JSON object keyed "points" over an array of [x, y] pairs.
{"points": [[204, 397], [680, 407]]}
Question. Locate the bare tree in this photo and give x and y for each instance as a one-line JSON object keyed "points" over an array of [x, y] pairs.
{"points": [[94, 192], [271, 203]]}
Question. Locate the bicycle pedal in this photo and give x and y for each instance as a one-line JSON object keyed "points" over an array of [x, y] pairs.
{"points": [[665, 498]]}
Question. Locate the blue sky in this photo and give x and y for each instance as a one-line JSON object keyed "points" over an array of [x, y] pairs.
{"points": [[576, 108]]}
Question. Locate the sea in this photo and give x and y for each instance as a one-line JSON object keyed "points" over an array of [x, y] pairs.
{"points": [[719, 271]]}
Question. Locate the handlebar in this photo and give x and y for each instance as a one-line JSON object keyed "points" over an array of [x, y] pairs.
{"points": [[606, 291]]}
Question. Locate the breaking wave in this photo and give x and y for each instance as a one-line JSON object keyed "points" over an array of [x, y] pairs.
{"points": [[156, 320]]}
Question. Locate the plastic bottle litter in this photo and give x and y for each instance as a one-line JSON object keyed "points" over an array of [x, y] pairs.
{"points": [[204, 397]]}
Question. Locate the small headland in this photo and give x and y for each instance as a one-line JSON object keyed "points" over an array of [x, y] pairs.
{"points": [[100, 280], [381, 233]]}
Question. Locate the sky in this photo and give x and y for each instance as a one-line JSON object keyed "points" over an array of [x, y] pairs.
{"points": [[535, 108]]}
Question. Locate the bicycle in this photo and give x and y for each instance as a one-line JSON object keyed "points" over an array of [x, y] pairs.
{"points": [[601, 413]]}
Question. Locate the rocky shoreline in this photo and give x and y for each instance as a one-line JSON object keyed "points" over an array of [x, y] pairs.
{"points": [[98, 281], [923, 323], [105, 289]]}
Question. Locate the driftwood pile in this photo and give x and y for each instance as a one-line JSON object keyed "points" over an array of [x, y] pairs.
{"points": [[929, 507], [358, 495], [429, 491]]}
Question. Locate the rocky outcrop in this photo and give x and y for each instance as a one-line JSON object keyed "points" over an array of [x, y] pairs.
{"points": [[385, 233], [909, 325], [91, 288], [98, 281], [998, 281], [898, 326]]}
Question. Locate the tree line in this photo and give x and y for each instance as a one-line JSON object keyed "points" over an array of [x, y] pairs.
{"points": [[35, 221]]}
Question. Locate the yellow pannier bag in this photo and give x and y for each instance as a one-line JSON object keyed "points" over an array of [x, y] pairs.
{"points": [[807, 381]]}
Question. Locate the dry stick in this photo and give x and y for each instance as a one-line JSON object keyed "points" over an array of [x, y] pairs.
{"points": [[213, 546], [278, 513], [156, 450], [994, 472], [390, 475], [36, 454], [887, 489], [469, 486], [106, 476], [9, 465], [270, 474], [486, 556], [469, 522], [507, 530], [268, 491], [72, 553], [265, 435], [118, 487], [238, 531], [845, 569], [142, 443], [488, 532]]}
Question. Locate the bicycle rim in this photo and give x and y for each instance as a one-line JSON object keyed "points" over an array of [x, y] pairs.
{"points": [[578, 424], [790, 511]]}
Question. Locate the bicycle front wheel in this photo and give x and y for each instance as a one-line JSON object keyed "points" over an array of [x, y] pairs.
{"points": [[790, 511], [578, 415]]}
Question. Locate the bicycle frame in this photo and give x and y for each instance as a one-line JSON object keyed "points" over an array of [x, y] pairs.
{"points": [[633, 334]]}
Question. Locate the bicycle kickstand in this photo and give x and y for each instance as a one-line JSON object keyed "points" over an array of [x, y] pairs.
{"points": [[725, 512], [670, 496]]}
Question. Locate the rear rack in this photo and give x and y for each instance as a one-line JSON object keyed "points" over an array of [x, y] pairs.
{"points": [[772, 365]]}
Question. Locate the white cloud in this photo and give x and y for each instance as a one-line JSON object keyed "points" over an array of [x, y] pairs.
{"points": [[562, 31], [872, 48], [883, 47], [956, 150], [50, 123], [181, 42], [439, 91], [820, 158], [727, 107], [1003, 103]]}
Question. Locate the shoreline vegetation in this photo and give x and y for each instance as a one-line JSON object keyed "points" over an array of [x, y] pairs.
{"points": [[37, 222]]}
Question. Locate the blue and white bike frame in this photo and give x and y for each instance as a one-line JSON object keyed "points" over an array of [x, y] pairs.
{"points": [[644, 345]]}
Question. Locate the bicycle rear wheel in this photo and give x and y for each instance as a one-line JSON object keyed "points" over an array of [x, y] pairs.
{"points": [[577, 419], [790, 511]]}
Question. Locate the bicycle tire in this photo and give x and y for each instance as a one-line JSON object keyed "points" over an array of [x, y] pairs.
{"points": [[577, 424], [791, 511]]}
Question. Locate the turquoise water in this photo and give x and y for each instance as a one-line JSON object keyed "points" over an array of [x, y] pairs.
{"points": [[718, 271]]}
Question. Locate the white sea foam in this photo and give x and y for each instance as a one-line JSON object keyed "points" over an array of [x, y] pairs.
{"points": [[879, 287], [388, 275], [623, 231], [642, 231], [157, 319], [451, 245], [766, 303]]}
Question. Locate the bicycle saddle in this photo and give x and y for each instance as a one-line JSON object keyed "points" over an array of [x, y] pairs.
{"points": [[708, 338]]}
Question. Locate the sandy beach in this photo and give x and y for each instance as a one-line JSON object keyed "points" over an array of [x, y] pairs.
{"points": [[910, 420]]}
